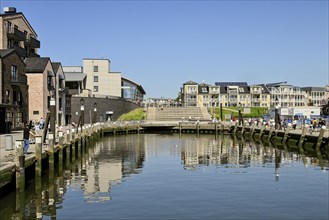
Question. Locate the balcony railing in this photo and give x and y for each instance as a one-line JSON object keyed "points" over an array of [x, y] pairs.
{"points": [[16, 34], [19, 79], [34, 43]]}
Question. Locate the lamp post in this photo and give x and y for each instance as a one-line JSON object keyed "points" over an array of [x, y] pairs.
{"points": [[240, 115], [82, 111], [52, 109], [277, 115], [95, 112]]}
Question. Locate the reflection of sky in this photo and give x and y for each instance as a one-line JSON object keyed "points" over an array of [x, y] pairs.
{"points": [[115, 159]]}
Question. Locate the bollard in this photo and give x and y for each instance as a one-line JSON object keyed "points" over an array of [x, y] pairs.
{"points": [[68, 140], [38, 156], [9, 142], [60, 138], [73, 135], [20, 166]]}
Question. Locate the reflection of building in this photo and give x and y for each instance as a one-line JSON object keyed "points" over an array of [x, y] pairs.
{"points": [[110, 162]]}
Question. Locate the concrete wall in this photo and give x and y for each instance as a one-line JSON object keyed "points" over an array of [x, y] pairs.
{"points": [[118, 106]]}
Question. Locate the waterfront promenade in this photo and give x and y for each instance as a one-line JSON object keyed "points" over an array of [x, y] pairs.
{"points": [[7, 153]]}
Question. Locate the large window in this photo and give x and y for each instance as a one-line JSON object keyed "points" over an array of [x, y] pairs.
{"points": [[13, 73]]}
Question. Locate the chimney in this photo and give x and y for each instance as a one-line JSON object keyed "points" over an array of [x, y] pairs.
{"points": [[9, 10]]}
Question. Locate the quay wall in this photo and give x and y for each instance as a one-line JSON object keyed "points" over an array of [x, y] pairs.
{"points": [[117, 106]]}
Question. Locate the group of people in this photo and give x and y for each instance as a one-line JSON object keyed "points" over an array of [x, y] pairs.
{"points": [[32, 126]]}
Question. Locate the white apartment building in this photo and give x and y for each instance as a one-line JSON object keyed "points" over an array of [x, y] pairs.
{"points": [[286, 95]]}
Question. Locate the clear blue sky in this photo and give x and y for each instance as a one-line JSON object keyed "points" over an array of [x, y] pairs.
{"points": [[163, 44]]}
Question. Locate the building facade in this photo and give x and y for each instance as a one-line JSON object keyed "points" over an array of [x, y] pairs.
{"points": [[17, 33], [100, 80], [42, 84], [13, 91]]}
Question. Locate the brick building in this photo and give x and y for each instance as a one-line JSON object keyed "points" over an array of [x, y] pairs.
{"points": [[13, 91]]}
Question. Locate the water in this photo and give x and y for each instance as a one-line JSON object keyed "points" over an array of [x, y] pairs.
{"points": [[154, 176]]}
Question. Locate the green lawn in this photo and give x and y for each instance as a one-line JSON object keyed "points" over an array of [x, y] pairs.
{"points": [[135, 115], [255, 112]]}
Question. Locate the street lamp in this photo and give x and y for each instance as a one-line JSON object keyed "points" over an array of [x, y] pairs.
{"points": [[82, 111], [95, 111], [52, 109], [277, 115], [240, 115]]}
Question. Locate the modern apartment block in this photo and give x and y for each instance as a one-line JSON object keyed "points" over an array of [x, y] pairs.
{"points": [[279, 94], [100, 80], [17, 33], [316, 96], [286, 95]]}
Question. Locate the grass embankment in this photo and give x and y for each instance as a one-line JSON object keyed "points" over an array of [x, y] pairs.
{"points": [[135, 115], [255, 112]]}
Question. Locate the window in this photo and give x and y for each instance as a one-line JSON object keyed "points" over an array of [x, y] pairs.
{"points": [[95, 88], [13, 73], [9, 26], [35, 112], [95, 68], [95, 78]]}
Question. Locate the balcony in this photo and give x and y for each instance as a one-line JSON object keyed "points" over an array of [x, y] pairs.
{"points": [[18, 80], [16, 34], [31, 54], [21, 51], [34, 43]]}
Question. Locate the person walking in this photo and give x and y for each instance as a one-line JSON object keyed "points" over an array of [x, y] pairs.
{"points": [[26, 137]]}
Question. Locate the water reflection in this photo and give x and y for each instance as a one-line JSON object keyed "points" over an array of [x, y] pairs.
{"points": [[99, 168]]}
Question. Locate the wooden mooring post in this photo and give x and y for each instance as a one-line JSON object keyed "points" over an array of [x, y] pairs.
{"points": [[286, 133], [38, 176], [302, 136], [20, 166], [322, 131]]}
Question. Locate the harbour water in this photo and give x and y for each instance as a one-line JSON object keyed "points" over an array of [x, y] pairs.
{"points": [[154, 176]]}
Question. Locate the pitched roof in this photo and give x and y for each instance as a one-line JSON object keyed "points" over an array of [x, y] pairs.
{"points": [[36, 64], [55, 66], [4, 53], [190, 83], [19, 14]]}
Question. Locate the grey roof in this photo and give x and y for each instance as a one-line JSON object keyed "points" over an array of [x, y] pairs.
{"points": [[4, 53], [277, 84], [190, 83], [74, 77], [231, 84], [311, 88], [36, 64], [203, 84], [55, 66]]}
